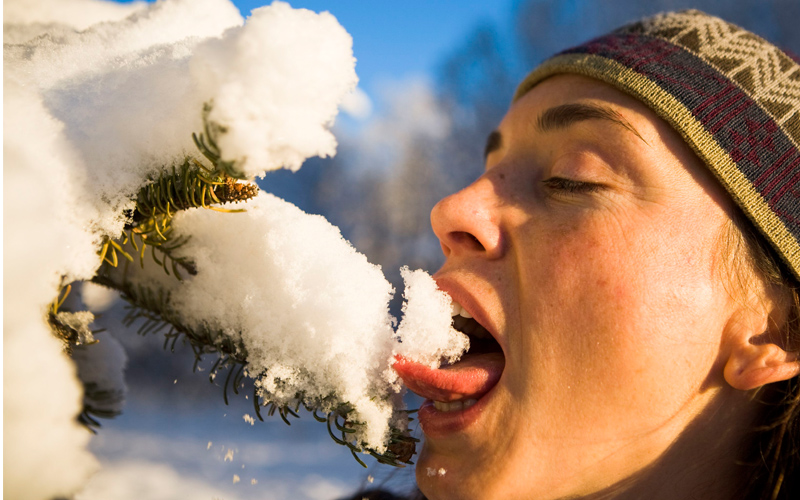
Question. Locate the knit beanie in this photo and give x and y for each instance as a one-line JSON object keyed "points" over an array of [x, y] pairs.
{"points": [[734, 97]]}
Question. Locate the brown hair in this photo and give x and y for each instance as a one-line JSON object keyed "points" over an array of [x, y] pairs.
{"points": [[774, 452]]}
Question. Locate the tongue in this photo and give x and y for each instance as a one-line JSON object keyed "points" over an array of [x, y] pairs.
{"points": [[472, 377]]}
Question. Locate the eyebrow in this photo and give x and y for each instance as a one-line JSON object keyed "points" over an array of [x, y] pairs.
{"points": [[566, 115], [563, 116]]}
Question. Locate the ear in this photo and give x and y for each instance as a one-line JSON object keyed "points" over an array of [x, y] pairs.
{"points": [[756, 356], [751, 366]]}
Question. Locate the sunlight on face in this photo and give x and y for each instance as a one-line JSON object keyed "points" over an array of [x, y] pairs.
{"points": [[590, 245]]}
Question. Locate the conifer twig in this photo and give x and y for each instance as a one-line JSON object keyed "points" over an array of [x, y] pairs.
{"points": [[195, 185], [152, 309]]}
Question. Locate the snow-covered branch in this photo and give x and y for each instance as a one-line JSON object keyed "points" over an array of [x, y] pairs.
{"points": [[131, 136]]}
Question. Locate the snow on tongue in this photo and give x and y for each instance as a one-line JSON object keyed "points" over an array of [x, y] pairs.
{"points": [[426, 333], [428, 339]]}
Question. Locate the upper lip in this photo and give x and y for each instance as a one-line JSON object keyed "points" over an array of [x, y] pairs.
{"points": [[468, 301]]}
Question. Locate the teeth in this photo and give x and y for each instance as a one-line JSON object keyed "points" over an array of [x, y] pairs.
{"points": [[457, 310], [470, 327], [454, 405]]}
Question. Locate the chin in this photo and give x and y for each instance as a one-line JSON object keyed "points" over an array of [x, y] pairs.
{"points": [[440, 477]]}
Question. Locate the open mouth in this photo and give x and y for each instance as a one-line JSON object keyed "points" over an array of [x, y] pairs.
{"points": [[455, 390]]}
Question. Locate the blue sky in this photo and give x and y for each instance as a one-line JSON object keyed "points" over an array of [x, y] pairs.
{"points": [[395, 40]]}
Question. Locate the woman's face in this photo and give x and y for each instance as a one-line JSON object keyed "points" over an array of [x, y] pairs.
{"points": [[590, 250]]}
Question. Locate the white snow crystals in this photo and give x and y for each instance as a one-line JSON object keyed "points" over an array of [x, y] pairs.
{"points": [[309, 309], [311, 312], [426, 334], [277, 111], [97, 102]]}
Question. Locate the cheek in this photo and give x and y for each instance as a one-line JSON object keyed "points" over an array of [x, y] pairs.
{"points": [[611, 301], [636, 267]]}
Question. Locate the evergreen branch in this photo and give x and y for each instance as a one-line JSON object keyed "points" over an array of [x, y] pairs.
{"points": [[154, 313], [59, 300], [149, 234], [153, 233], [206, 142], [85, 419], [191, 185], [90, 411], [72, 328]]}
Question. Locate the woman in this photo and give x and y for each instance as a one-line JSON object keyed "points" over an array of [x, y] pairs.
{"points": [[634, 335]]}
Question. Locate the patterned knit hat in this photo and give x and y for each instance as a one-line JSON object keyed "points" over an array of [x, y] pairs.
{"points": [[734, 97]]}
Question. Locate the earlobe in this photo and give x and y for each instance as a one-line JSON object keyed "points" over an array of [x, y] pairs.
{"points": [[751, 366]]}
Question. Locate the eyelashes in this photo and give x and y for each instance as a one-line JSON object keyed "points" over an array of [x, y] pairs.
{"points": [[570, 186]]}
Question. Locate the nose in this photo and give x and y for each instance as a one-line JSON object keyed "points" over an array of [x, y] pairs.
{"points": [[467, 222]]}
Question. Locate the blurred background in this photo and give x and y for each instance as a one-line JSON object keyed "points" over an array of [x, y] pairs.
{"points": [[436, 78]]}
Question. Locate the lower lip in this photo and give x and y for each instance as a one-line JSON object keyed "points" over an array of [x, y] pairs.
{"points": [[439, 424]]}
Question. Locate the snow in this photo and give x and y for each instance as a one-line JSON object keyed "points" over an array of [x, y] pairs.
{"points": [[99, 100], [41, 393], [78, 321], [98, 298], [426, 334], [311, 312], [277, 113], [432, 472], [138, 480], [30, 19], [357, 104]]}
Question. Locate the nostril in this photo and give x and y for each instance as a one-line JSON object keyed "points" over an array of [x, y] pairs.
{"points": [[468, 222], [467, 240]]}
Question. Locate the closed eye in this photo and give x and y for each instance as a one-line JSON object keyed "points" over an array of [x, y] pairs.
{"points": [[570, 186]]}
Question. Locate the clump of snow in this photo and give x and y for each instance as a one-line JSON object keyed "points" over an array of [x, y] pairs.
{"points": [[44, 239], [131, 92], [98, 298], [101, 368], [277, 114], [121, 92], [28, 19], [311, 312], [78, 321], [426, 334], [94, 102]]}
